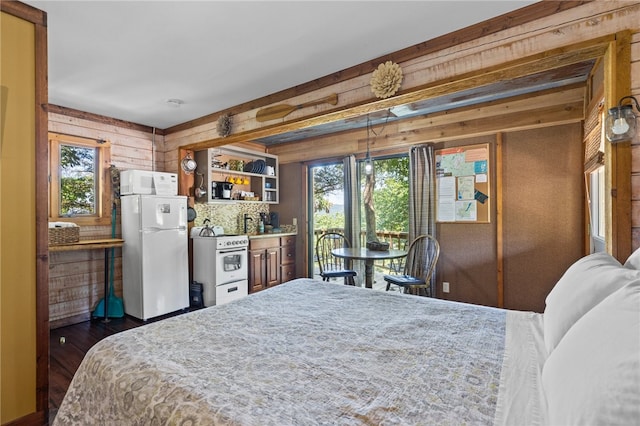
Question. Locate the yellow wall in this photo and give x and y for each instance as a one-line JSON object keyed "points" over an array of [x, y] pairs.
{"points": [[17, 220]]}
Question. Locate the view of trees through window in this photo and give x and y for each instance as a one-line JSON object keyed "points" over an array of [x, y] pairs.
{"points": [[388, 208], [77, 180], [388, 204], [383, 201]]}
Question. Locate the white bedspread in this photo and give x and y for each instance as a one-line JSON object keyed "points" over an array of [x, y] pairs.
{"points": [[302, 353]]}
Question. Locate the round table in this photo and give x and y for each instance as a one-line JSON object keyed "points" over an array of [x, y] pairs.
{"points": [[369, 256]]}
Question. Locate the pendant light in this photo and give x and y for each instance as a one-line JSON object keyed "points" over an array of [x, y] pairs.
{"points": [[620, 124], [368, 164]]}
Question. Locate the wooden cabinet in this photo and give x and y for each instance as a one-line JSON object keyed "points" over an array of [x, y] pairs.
{"points": [[264, 265], [271, 262], [288, 258]]}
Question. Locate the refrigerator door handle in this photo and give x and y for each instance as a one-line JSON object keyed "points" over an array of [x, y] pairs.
{"points": [[159, 229]]}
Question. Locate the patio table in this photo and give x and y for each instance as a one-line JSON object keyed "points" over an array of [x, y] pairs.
{"points": [[369, 257]]}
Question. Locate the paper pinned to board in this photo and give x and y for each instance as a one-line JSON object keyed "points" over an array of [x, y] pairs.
{"points": [[446, 210], [466, 210]]}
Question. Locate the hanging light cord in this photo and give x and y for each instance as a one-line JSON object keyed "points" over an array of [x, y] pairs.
{"points": [[370, 129]]}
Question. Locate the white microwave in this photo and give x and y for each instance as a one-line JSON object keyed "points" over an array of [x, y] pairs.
{"points": [[146, 182]]}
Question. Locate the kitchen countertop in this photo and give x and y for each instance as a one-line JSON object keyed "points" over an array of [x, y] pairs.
{"points": [[271, 235]]}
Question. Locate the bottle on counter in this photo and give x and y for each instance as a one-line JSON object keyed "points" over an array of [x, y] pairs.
{"points": [[261, 226]]}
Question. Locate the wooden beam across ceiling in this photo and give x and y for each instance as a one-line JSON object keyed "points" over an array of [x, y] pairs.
{"points": [[550, 60], [548, 109]]}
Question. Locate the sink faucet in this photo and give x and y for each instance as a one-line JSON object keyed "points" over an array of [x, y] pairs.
{"points": [[246, 219]]}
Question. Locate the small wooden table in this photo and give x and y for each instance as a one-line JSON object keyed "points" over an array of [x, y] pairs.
{"points": [[369, 256], [105, 244]]}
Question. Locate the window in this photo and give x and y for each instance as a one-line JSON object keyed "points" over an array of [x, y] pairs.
{"points": [[597, 208], [79, 180]]}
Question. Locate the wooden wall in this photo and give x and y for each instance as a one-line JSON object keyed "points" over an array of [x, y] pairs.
{"points": [[76, 277]]}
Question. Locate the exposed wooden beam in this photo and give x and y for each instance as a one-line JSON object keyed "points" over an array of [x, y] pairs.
{"points": [[553, 59], [499, 221], [618, 156], [522, 103], [454, 127], [70, 112]]}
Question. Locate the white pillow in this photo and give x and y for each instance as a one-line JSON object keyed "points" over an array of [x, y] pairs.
{"points": [[593, 376], [585, 284], [633, 261]]}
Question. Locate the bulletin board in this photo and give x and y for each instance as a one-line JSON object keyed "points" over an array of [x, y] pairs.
{"points": [[463, 184]]}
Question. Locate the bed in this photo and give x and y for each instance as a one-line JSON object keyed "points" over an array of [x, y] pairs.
{"points": [[309, 352]]}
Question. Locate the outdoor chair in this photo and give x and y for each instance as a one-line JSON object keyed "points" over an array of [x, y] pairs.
{"points": [[330, 265], [420, 263]]}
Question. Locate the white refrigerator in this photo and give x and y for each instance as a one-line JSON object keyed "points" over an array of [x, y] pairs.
{"points": [[155, 266]]}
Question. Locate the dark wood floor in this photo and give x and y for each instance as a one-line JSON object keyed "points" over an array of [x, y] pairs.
{"points": [[69, 344]]}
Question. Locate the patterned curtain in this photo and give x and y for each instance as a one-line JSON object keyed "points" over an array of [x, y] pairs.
{"points": [[351, 205], [352, 212], [422, 209]]}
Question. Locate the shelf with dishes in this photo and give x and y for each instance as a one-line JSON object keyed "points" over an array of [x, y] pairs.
{"points": [[237, 174]]}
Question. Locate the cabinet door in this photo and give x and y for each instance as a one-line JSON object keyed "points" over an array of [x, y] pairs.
{"points": [[257, 270], [273, 266]]}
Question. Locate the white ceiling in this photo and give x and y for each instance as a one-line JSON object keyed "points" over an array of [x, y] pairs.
{"points": [[125, 59]]}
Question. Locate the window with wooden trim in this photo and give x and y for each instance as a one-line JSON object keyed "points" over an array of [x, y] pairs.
{"points": [[79, 180], [594, 170]]}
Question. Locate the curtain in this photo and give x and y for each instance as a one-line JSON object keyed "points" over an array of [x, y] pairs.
{"points": [[352, 212], [422, 208], [351, 205]]}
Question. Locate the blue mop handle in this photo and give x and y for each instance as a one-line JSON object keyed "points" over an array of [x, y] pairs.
{"points": [[113, 249]]}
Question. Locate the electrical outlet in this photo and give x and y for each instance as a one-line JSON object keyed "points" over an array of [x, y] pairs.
{"points": [[445, 287]]}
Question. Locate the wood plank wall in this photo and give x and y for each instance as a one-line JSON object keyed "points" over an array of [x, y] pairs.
{"points": [[76, 277]]}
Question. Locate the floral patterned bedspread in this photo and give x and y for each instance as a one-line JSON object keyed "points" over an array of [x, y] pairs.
{"points": [[302, 353]]}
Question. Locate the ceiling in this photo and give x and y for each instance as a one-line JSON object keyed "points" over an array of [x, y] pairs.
{"points": [[126, 59]]}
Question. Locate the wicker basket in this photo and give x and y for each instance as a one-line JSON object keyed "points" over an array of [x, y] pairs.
{"points": [[64, 235]]}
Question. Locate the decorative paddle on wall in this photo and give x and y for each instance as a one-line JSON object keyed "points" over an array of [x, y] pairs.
{"points": [[280, 111]]}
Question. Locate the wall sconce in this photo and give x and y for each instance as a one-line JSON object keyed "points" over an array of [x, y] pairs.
{"points": [[620, 124]]}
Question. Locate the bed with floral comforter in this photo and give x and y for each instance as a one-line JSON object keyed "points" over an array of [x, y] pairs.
{"points": [[305, 352]]}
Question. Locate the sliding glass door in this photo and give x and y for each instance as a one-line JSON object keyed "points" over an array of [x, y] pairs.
{"points": [[326, 205], [380, 202]]}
